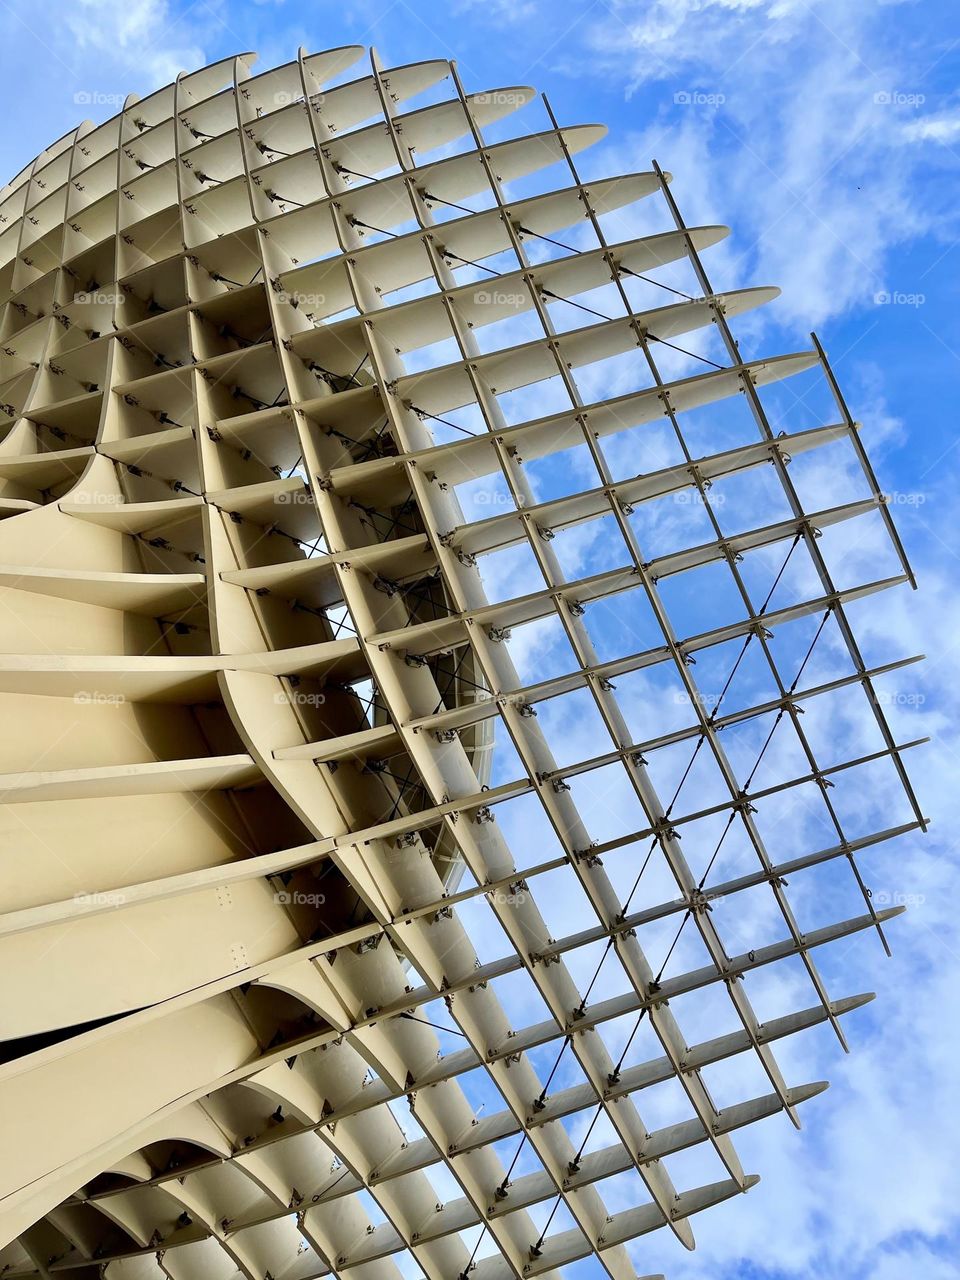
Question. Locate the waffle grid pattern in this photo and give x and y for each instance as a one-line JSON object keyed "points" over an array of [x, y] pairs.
{"points": [[235, 506]]}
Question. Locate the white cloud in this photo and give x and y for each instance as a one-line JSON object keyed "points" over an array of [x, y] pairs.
{"points": [[813, 173], [788, 120], [147, 36], [939, 128]]}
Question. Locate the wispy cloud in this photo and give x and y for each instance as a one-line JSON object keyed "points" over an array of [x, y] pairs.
{"points": [[942, 128], [146, 37], [808, 127], [791, 120]]}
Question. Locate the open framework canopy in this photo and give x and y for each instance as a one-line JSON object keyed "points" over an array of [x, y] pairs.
{"points": [[425, 648]]}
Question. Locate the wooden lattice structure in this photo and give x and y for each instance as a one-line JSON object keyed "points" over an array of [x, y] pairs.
{"points": [[274, 917]]}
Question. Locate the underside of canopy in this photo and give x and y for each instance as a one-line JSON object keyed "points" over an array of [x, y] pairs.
{"points": [[342, 932]]}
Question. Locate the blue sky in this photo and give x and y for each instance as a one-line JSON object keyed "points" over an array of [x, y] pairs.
{"points": [[827, 135]]}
